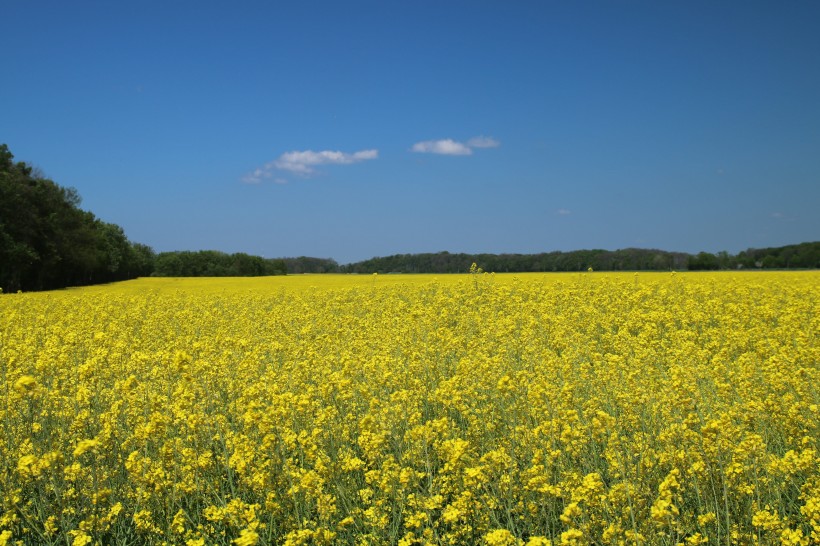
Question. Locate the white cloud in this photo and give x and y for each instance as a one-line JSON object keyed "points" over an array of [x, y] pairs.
{"points": [[563, 212], [446, 146], [304, 162], [483, 142], [257, 176], [449, 146]]}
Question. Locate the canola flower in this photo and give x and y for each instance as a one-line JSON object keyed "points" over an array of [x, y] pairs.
{"points": [[590, 408]]}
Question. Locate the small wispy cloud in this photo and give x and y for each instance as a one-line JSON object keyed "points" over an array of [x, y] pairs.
{"points": [[446, 146], [783, 217], [563, 212], [449, 146], [258, 175], [483, 142], [304, 163]]}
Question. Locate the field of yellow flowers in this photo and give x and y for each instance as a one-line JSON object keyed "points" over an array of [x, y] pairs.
{"points": [[572, 409]]}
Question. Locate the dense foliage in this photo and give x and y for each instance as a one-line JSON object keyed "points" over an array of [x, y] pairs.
{"points": [[504, 410], [217, 264], [802, 256], [47, 241], [209, 263], [212, 263], [579, 260]]}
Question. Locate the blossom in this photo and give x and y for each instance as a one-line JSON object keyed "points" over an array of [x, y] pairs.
{"points": [[25, 384]]}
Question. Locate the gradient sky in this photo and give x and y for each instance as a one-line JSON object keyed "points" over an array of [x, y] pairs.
{"points": [[349, 130]]}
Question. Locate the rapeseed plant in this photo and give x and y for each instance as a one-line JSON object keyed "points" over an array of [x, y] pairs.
{"points": [[472, 409]]}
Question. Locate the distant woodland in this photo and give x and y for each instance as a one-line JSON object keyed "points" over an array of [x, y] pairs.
{"points": [[47, 241], [801, 256]]}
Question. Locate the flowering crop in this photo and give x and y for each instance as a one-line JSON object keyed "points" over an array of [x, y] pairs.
{"points": [[556, 409]]}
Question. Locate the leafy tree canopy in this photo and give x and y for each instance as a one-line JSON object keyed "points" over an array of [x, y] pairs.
{"points": [[47, 241]]}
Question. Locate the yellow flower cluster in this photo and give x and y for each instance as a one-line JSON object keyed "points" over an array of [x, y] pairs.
{"points": [[592, 408]]}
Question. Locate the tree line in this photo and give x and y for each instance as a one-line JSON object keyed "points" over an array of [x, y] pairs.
{"points": [[47, 241], [803, 256], [214, 264]]}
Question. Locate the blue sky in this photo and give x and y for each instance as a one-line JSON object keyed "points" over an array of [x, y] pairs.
{"points": [[357, 129]]}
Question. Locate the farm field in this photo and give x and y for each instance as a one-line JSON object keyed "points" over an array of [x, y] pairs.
{"points": [[576, 409]]}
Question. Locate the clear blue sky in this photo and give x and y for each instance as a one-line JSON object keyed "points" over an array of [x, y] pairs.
{"points": [[349, 130]]}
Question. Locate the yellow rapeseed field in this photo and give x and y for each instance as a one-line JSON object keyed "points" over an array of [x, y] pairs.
{"points": [[571, 409]]}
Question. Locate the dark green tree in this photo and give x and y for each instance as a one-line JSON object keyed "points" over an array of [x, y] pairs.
{"points": [[47, 241]]}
